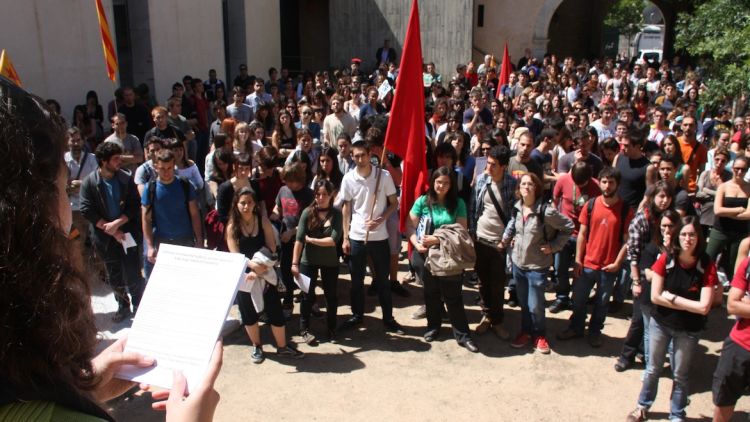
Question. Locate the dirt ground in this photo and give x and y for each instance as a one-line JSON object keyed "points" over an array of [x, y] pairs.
{"points": [[370, 375]]}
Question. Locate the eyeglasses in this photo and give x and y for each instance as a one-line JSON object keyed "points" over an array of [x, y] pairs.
{"points": [[739, 169], [691, 235], [307, 112]]}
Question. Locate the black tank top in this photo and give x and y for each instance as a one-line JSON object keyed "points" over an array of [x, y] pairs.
{"points": [[729, 224], [251, 244]]}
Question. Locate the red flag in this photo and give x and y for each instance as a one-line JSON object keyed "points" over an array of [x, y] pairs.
{"points": [[7, 69], [405, 135], [504, 71], [110, 58]]}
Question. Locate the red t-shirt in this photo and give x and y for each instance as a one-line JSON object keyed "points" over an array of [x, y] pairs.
{"points": [[740, 333], [570, 199], [604, 233]]}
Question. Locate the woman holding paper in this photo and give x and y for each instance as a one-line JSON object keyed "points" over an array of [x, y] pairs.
{"points": [[318, 233], [48, 340], [248, 232]]}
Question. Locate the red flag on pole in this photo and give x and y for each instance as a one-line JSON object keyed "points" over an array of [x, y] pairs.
{"points": [[504, 76], [110, 58], [405, 135], [7, 69]]}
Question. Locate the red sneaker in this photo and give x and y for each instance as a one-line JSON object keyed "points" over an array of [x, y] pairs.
{"points": [[522, 340], [541, 345]]}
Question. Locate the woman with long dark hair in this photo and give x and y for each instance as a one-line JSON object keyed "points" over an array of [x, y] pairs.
{"points": [[47, 325], [223, 167], [681, 291], [315, 250], [328, 168], [284, 137], [267, 176], [248, 232], [440, 205]]}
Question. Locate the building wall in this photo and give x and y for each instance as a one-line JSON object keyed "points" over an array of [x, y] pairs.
{"points": [[358, 28], [56, 49], [187, 38], [505, 21], [262, 21]]}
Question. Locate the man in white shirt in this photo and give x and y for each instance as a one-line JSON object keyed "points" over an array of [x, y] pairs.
{"points": [[338, 121], [80, 164], [132, 152], [606, 125], [366, 234]]}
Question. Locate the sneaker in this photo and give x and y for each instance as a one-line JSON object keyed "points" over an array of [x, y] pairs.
{"points": [[469, 345], [256, 354], [393, 327], [420, 313], [409, 278], [290, 352], [595, 340], [541, 345], [521, 340], [331, 336], [622, 364], [559, 305], [307, 336], [637, 415], [398, 289], [568, 334], [512, 299], [501, 332], [352, 322], [430, 336], [483, 325]]}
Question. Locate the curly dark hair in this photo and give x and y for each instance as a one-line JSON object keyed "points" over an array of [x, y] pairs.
{"points": [[46, 321]]}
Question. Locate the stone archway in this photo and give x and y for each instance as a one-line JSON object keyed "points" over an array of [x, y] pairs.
{"points": [[541, 27]]}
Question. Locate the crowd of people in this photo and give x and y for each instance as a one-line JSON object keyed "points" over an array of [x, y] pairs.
{"points": [[601, 176]]}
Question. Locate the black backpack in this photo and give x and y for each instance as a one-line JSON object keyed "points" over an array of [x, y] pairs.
{"points": [[152, 197]]}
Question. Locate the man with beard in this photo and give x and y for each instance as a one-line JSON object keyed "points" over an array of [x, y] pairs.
{"points": [[522, 162], [338, 122], [600, 252], [109, 201]]}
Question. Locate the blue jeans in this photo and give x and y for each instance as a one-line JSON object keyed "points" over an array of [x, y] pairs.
{"points": [[685, 346], [563, 261], [604, 283], [623, 284], [530, 292], [380, 252], [646, 323]]}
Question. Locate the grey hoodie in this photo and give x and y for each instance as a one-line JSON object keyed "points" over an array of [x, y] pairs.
{"points": [[528, 236]]}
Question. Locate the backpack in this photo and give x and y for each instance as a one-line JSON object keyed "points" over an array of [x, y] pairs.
{"points": [[542, 211], [623, 215], [152, 197]]}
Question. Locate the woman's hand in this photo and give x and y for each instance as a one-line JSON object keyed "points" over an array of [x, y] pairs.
{"points": [[295, 270], [257, 268], [429, 240], [420, 247], [198, 405], [637, 289], [106, 365]]}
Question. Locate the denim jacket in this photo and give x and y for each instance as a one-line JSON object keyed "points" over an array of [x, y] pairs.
{"points": [[529, 236], [507, 192]]}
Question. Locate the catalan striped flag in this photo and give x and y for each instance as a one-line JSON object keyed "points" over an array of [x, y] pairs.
{"points": [[110, 58], [7, 69]]}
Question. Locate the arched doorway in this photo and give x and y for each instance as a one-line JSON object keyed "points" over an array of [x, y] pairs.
{"points": [[575, 27]]}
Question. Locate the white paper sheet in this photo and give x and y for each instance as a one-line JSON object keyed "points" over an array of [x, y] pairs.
{"points": [[128, 242], [384, 89], [182, 313], [303, 282]]}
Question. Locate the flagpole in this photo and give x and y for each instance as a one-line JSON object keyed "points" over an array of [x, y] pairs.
{"points": [[377, 186]]}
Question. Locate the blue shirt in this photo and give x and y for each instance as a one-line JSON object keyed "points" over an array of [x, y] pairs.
{"points": [[112, 197], [170, 219]]}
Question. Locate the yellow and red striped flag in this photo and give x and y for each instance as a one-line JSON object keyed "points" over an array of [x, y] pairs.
{"points": [[7, 69], [110, 58]]}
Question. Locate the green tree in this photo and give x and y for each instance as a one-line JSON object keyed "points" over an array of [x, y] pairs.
{"points": [[627, 17], [717, 33]]}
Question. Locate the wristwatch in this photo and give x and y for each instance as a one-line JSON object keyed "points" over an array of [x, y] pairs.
{"points": [[636, 282]]}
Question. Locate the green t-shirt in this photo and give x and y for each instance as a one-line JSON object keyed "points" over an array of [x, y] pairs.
{"points": [[440, 214], [321, 255]]}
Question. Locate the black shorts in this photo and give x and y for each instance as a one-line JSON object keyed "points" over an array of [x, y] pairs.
{"points": [[732, 375]]}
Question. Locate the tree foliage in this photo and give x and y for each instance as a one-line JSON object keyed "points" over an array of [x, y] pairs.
{"points": [[626, 16], [717, 33]]}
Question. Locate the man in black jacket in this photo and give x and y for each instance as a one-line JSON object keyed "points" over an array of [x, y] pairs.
{"points": [[110, 202]]}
